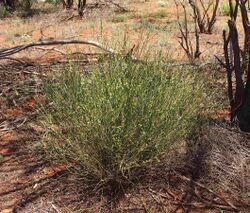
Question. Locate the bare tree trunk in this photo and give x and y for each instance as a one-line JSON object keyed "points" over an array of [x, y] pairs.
{"points": [[81, 6], [239, 63], [191, 48], [202, 11], [69, 4], [213, 18]]}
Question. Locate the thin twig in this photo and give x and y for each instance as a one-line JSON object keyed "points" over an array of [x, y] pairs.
{"points": [[16, 59], [55, 208], [209, 190], [51, 49], [214, 206]]}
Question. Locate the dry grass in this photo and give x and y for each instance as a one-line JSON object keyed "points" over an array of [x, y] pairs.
{"points": [[227, 161]]}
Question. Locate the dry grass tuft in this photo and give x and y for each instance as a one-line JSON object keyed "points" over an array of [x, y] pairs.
{"points": [[228, 162]]}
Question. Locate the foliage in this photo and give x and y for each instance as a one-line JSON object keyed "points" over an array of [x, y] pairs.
{"points": [[23, 7], [225, 8], [53, 2], [120, 117], [152, 27], [159, 14], [20, 7], [119, 18], [3, 11], [162, 3]]}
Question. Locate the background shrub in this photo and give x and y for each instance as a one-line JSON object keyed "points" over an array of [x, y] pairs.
{"points": [[224, 8], [118, 18], [120, 117], [53, 2], [3, 11], [23, 7]]}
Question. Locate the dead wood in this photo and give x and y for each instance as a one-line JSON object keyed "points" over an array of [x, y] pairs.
{"points": [[5, 52], [201, 10], [237, 61], [185, 37]]}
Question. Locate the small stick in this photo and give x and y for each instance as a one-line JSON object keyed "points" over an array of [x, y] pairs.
{"points": [[209, 190], [55, 208], [215, 206]]}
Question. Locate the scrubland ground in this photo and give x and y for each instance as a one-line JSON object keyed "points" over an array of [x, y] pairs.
{"points": [[211, 173]]}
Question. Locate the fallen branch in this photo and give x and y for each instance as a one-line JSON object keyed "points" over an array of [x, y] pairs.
{"points": [[5, 52], [17, 60]]}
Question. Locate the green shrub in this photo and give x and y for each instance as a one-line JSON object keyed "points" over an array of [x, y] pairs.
{"points": [[118, 18], [159, 14], [23, 7], [120, 117], [162, 3], [53, 2], [3, 12], [153, 27], [224, 9]]}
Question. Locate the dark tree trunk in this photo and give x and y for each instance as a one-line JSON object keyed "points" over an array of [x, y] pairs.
{"points": [[69, 4], [239, 64], [81, 6], [243, 114]]}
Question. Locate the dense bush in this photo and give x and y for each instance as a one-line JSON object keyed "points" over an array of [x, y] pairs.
{"points": [[225, 8], [20, 7], [120, 117], [3, 11], [23, 7]]}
